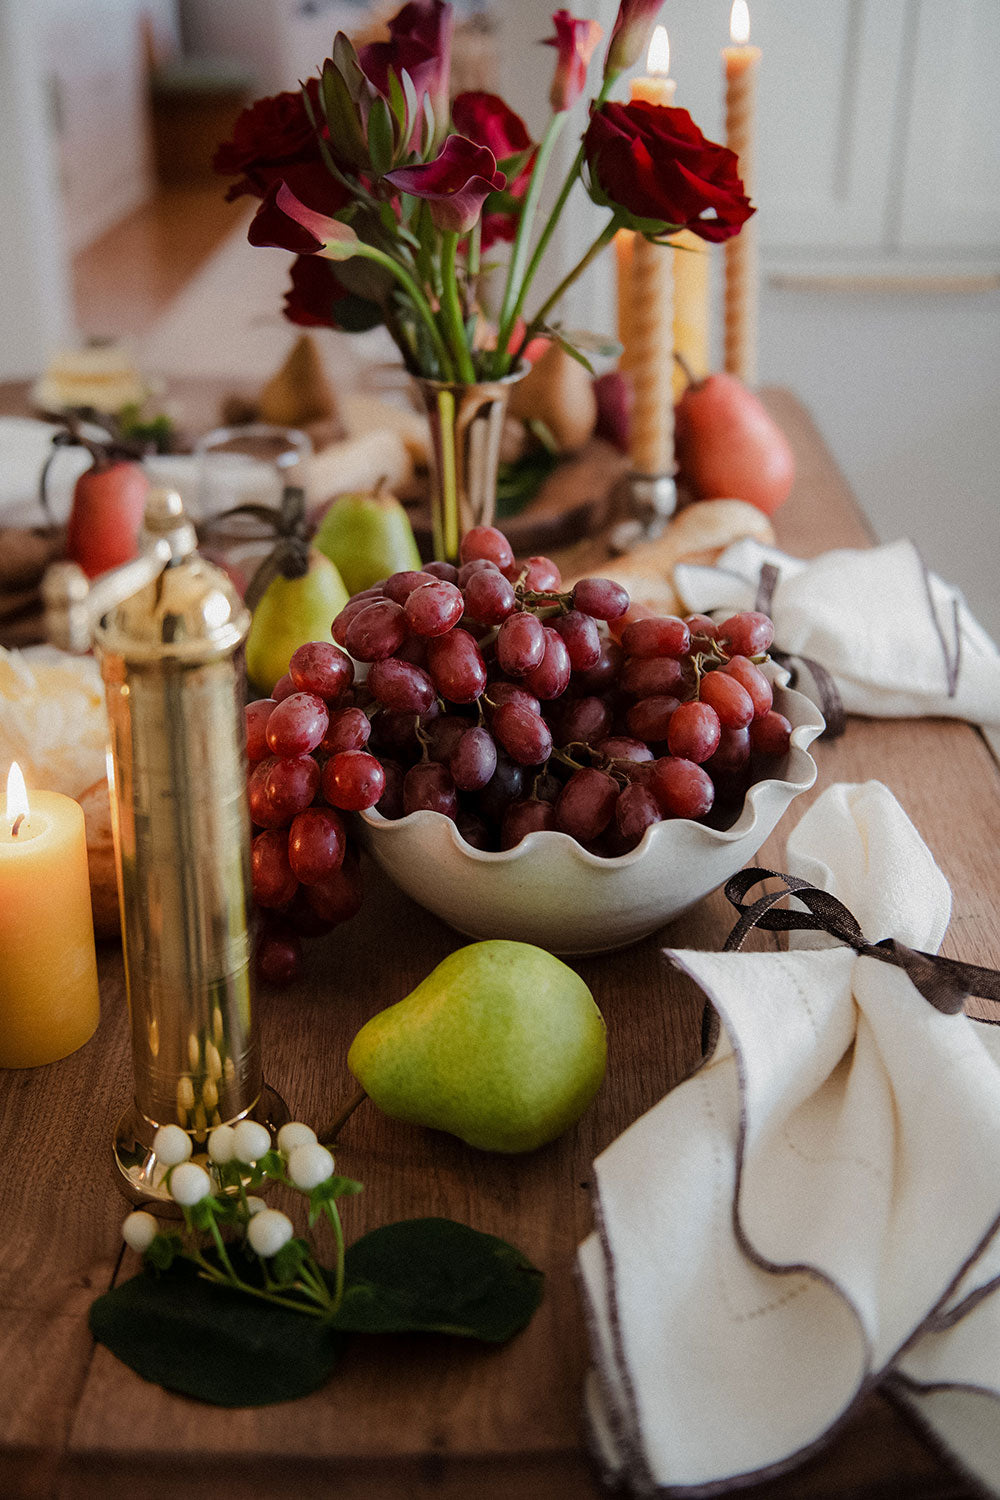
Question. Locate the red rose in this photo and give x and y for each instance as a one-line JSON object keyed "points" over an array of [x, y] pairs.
{"points": [[655, 167], [455, 184], [267, 137], [317, 298], [630, 34], [575, 42], [421, 43], [488, 121]]}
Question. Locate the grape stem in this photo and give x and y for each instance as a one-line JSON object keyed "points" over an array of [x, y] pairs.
{"points": [[330, 1134]]}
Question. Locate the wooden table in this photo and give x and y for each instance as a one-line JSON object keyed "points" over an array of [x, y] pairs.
{"points": [[405, 1416]]}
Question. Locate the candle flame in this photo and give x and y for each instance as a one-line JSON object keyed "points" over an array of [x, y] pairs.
{"points": [[739, 23], [17, 794], [658, 56]]}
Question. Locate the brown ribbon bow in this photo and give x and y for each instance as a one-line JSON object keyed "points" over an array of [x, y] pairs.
{"points": [[831, 704], [945, 982]]}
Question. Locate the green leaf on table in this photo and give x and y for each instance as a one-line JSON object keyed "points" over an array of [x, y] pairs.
{"points": [[519, 482], [213, 1343], [436, 1276]]}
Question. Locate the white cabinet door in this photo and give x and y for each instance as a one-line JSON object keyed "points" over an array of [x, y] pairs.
{"points": [[951, 177]]}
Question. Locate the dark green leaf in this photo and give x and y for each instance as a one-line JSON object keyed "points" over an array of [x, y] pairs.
{"points": [[286, 1265], [397, 101], [381, 142], [164, 1250], [342, 116], [213, 1343], [436, 1276], [357, 314], [518, 483]]}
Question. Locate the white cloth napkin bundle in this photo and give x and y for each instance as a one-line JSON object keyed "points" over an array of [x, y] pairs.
{"points": [[816, 1210], [898, 641]]}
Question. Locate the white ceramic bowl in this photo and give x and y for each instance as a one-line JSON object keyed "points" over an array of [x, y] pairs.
{"points": [[551, 891]]}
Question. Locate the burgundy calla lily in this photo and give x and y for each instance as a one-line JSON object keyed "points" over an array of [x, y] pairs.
{"points": [[575, 42], [630, 34], [486, 119], [455, 184], [286, 222], [653, 164], [420, 41]]}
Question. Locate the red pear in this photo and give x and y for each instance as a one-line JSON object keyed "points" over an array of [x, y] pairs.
{"points": [[729, 446]]}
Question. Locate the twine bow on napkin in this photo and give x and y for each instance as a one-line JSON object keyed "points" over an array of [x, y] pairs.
{"points": [[815, 1212], [876, 629]]}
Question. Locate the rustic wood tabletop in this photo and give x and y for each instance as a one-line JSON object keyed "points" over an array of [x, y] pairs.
{"points": [[407, 1417]]}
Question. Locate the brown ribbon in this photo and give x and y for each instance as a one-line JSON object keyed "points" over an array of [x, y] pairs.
{"points": [[945, 982], [830, 702]]}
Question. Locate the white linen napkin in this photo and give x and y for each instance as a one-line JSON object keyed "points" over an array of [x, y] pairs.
{"points": [[898, 641], [801, 1219]]}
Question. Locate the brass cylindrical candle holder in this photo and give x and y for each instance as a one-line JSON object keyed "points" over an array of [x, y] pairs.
{"points": [[169, 652]]}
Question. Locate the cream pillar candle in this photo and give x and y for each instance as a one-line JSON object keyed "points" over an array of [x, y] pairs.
{"points": [[650, 318], [741, 64]]}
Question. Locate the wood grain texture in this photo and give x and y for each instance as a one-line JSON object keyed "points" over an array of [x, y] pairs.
{"points": [[415, 1417]]}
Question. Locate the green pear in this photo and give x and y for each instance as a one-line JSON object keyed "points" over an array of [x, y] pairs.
{"points": [[291, 612], [367, 537], [501, 1045]]}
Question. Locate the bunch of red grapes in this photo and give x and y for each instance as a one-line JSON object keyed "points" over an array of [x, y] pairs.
{"points": [[502, 701]]}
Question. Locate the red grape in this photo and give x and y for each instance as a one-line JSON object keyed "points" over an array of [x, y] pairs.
{"points": [[469, 569], [651, 718], [694, 732], [749, 676], [473, 830], [261, 812], [390, 804], [524, 735], [473, 760], [445, 570], [522, 818], [434, 608], [701, 625], [604, 673], [510, 692], [771, 735], [644, 676], [290, 785], [349, 729], [619, 747], [321, 668], [256, 716], [486, 542], [274, 880], [506, 785], [337, 897], [729, 698], [376, 631], [600, 597], [520, 644], [586, 804], [732, 754], [399, 586], [317, 843], [489, 598], [278, 955], [582, 721], [635, 811], [657, 635], [350, 611], [353, 780], [443, 736], [582, 637], [458, 670], [682, 789], [283, 688], [297, 724], [429, 786], [542, 577], [403, 688], [551, 677], [747, 634]]}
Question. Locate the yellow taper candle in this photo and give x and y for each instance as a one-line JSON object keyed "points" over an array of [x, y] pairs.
{"points": [[48, 968], [650, 321], [741, 63], [691, 307]]}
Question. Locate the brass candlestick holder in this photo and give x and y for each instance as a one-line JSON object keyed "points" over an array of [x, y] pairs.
{"points": [[168, 629], [652, 500]]}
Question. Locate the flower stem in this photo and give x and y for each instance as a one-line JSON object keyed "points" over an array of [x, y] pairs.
{"points": [[208, 1272], [605, 237], [333, 1214], [420, 304], [451, 309], [513, 293]]}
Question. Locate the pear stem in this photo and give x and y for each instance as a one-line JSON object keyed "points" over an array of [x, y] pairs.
{"points": [[330, 1134], [685, 368]]}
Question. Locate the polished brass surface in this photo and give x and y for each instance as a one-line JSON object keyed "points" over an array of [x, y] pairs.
{"points": [[466, 424]]}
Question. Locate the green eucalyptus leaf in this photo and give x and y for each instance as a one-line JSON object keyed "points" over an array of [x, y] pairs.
{"points": [[345, 59], [211, 1342], [436, 1276], [397, 101], [342, 116], [381, 140]]}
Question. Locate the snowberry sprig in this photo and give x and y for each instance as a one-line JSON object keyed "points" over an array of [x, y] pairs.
{"points": [[215, 1197]]}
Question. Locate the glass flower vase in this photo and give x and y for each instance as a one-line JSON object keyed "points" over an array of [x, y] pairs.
{"points": [[466, 427]]}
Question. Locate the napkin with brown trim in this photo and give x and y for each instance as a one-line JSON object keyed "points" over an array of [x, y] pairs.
{"points": [[897, 640], [816, 1211]]}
